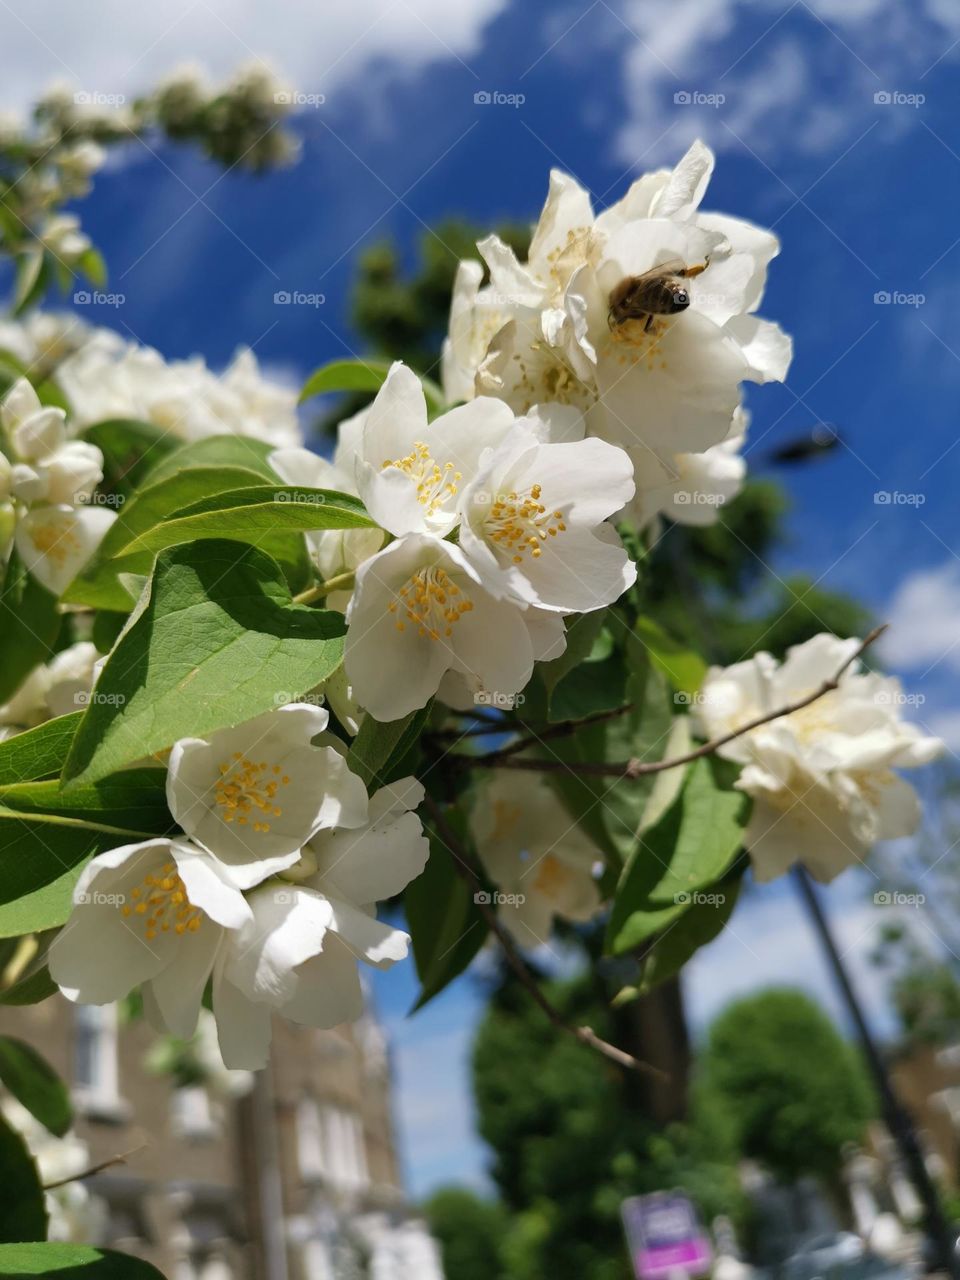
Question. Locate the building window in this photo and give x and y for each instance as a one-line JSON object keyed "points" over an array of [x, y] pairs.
{"points": [[345, 1148], [310, 1142], [191, 1115], [95, 1062]]}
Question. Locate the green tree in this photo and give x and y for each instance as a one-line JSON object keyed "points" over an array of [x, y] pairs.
{"points": [[795, 1090], [471, 1231], [569, 1142]]}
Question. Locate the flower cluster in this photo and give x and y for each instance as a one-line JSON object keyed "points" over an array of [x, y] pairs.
{"points": [[46, 488], [270, 891], [108, 377], [500, 529], [822, 778], [641, 316]]}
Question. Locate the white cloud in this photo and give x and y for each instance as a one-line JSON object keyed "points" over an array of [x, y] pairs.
{"points": [[122, 48], [798, 77], [771, 942], [925, 613]]}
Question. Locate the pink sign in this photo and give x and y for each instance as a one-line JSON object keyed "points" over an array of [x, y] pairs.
{"points": [[665, 1237]]}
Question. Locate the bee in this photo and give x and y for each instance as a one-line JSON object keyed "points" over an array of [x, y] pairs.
{"points": [[658, 292]]}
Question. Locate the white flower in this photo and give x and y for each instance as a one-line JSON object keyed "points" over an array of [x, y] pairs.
{"points": [[298, 955], [152, 913], [410, 471], [54, 688], [535, 853], [822, 778], [254, 795], [61, 236], [110, 378], [56, 542], [418, 610], [665, 384], [533, 522], [77, 164], [694, 488], [74, 1214], [42, 339]]}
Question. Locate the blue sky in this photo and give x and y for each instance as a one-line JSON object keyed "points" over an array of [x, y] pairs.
{"points": [[835, 122]]}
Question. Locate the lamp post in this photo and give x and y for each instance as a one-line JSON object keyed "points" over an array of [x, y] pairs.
{"points": [[942, 1239]]}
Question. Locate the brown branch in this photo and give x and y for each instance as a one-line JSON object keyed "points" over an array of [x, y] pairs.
{"points": [[96, 1168], [586, 1035], [488, 729], [636, 768]]}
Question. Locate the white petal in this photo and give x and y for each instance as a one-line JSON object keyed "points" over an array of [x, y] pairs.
{"points": [[371, 941], [287, 927], [55, 543], [177, 991], [243, 1026], [328, 988], [372, 864]]}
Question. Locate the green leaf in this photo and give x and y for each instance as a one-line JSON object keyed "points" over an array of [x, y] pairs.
{"points": [[91, 264], [255, 515], [133, 800], [35, 1085], [99, 586], [38, 753], [218, 451], [611, 810], [703, 920], [32, 988], [31, 279], [361, 375], [130, 449], [23, 1215], [346, 375], [691, 847], [72, 1262], [216, 641], [446, 927], [379, 743], [582, 631], [29, 624], [682, 667], [41, 857]]}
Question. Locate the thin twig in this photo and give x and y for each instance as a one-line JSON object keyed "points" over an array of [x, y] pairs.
{"points": [[96, 1168], [560, 730], [586, 1035], [342, 582], [636, 768]]}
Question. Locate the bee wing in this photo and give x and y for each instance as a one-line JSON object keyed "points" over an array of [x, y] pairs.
{"points": [[672, 267]]}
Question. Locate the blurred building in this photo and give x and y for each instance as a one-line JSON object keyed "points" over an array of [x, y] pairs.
{"points": [[291, 1174]]}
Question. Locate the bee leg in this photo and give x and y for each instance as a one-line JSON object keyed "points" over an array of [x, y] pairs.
{"points": [[688, 273], [649, 323]]}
